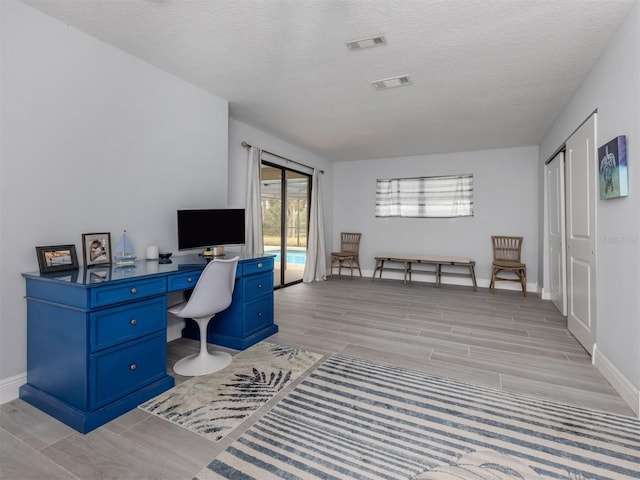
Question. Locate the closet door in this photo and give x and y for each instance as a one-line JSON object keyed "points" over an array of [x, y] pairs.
{"points": [[582, 180], [554, 175]]}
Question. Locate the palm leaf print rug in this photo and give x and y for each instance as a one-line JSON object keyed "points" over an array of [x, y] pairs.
{"points": [[213, 405]]}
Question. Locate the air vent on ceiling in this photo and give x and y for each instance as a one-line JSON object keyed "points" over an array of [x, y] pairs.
{"points": [[366, 42], [399, 81]]}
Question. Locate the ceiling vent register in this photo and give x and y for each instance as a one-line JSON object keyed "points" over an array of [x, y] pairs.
{"points": [[399, 81], [366, 43]]}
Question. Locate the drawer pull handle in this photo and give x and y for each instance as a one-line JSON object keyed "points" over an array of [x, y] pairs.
{"points": [[259, 285], [259, 314], [259, 265], [133, 321], [189, 279], [134, 290], [133, 366]]}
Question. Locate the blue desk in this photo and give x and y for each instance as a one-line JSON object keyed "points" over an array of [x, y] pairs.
{"points": [[96, 337]]}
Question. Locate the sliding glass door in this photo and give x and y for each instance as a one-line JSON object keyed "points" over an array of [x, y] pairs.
{"points": [[285, 216]]}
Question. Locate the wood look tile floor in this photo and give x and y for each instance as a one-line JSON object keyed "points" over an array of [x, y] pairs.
{"points": [[503, 340]]}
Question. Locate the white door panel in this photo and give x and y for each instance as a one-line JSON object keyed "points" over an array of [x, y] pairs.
{"points": [[581, 179], [556, 232]]}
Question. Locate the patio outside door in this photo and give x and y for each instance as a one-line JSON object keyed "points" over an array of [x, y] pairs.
{"points": [[285, 220]]}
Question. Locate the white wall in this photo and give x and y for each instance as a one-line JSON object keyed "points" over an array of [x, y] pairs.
{"points": [[505, 203], [239, 132], [612, 88], [92, 140]]}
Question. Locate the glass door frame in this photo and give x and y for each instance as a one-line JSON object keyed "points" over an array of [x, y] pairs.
{"points": [[283, 216]]}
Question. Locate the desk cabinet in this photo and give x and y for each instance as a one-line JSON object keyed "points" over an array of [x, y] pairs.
{"points": [[96, 338], [249, 318], [95, 352]]}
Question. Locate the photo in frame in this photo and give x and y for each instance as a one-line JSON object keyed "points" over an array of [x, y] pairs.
{"points": [[612, 169], [56, 258], [96, 249]]}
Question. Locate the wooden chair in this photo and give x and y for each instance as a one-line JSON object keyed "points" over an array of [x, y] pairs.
{"points": [[349, 253], [506, 258]]}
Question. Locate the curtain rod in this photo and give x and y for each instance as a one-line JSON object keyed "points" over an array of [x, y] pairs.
{"points": [[246, 145]]}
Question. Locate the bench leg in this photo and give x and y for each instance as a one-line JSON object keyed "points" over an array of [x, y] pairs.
{"points": [[379, 268], [473, 277]]}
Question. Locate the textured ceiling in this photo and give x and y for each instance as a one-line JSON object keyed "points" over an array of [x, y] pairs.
{"points": [[485, 73]]}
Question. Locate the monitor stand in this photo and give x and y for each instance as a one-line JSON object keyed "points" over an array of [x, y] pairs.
{"points": [[213, 252]]}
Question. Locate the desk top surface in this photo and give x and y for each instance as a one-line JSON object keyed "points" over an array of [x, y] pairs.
{"points": [[141, 268]]}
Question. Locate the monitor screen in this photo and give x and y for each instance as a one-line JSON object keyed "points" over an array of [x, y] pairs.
{"points": [[210, 228]]}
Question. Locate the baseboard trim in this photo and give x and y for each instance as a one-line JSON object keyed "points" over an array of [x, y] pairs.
{"points": [[621, 384], [10, 387]]}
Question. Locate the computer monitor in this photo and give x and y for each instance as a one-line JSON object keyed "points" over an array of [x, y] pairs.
{"points": [[211, 229]]}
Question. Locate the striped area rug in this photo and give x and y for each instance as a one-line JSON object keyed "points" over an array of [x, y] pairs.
{"points": [[354, 418]]}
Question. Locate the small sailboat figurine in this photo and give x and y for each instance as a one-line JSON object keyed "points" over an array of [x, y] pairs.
{"points": [[123, 253]]}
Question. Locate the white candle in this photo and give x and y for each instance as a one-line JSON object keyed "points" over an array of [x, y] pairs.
{"points": [[152, 252]]}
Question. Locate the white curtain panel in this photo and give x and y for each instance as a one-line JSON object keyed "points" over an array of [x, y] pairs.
{"points": [[254, 242], [315, 269]]}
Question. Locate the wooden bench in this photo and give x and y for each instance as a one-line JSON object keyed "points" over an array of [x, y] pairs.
{"points": [[436, 261]]}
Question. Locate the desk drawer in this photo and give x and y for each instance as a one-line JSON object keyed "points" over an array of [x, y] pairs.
{"points": [[256, 266], [126, 292], [182, 281], [258, 315], [119, 371], [127, 322], [258, 285]]}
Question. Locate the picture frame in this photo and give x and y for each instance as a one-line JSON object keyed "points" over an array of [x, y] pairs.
{"points": [[612, 169], [56, 258], [96, 248]]}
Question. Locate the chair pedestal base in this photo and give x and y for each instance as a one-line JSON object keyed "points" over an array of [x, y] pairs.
{"points": [[202, 364]]}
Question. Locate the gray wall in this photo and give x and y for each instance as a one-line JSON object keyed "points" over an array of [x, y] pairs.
{"points": [[505, 203], [612, 89], [93, 140]]}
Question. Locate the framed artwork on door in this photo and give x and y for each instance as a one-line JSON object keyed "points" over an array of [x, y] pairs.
{"points": [[612, 166]]}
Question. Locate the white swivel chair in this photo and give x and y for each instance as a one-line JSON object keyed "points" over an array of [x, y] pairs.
{"points": [[211, 295]]}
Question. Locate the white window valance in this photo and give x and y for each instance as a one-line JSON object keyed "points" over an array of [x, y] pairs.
{"points": [[445, 196]]}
